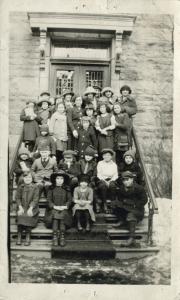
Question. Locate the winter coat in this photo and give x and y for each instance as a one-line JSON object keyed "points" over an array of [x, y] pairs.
{"points": [[132, 200], [74, 116], [91, 168], [18, 167], [41, 171], [43, 116], [128, 105], [58, 196], [72, 171], [43, 142], [85, 138], [134, 168], [30, 129], [28, 195], [122, 132]]}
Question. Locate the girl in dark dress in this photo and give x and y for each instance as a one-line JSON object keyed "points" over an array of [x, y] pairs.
{"points": [[59, 201], [27, 198]]}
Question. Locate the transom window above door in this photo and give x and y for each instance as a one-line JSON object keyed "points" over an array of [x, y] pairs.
{"points": [[81, 50]]}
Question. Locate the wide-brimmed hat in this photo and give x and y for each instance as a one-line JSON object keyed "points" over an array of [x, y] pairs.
{"points": [[107, 150], [59, 173], [67, 92], [127, 88], [127, 174], [42, 100], [44, 128], [24, 150], [45, 93], [107, 89], [69, 153], [90, 151], [129, 153], [89, 90]]}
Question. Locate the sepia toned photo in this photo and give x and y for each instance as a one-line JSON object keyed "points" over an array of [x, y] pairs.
{"points": [[90, 147]]}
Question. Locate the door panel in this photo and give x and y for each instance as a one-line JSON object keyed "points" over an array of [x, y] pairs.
{"points": [[77, 77]]}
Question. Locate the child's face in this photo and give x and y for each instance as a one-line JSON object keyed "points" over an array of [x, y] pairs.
{"points": [[59, 180], [108, 94], [60, 108], [78, 101], [88, 158], [83, 184], [90, 96], [117, 109], [89, 112], [44, 154], [128, 159], [44, 105], [68, 98], [128, 182], [125, 92], [28, 179], [43, 133], [68, 159], [103, 109], [23, 156], [107, 157], [85, 125]]}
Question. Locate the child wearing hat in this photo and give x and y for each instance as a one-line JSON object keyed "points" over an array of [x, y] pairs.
{"points": [[108, 97], [129, 163], [129, 205], [70, 166], [27, 198], [30, 127], [127, 102], [122, 132], [59, 201], [44, 104], [43, 141], [105, 126], [83, 199], [88, 164], [42, 169], [58, 129], [68, 98], [74, 120], [86, 136], [107, 174], [89, 97], [23, 164]]}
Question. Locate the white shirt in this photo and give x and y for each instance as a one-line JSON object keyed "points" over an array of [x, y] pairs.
{"points": [[107, 170]]}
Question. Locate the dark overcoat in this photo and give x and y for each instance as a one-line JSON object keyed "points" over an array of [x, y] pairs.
{"points": [[128, 105], [72, 171], [134, 168], [122, 132], [85, 139], [91, 170], [28, 195], [18, 169], [30, 129]]}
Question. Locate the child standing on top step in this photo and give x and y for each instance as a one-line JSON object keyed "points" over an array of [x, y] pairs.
{"points": [[27, 198], [59, 201], [129, 205], [23, 164], [83, 208]]}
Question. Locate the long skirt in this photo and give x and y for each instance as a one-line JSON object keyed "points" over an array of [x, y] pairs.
{"points": [[25, 220]]}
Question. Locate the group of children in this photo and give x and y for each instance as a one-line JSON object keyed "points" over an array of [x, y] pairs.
{"points": [[78, 152]]}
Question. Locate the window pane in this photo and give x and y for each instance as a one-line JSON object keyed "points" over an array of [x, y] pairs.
{"points": [[64, 81], [81, 50], [94, 78]]}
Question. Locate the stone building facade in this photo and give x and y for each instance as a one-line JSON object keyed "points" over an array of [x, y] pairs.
{"points": [[140, 55]]}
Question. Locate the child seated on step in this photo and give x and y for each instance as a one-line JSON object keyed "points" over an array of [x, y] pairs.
{"points": [[44, 112], [23, 164], [59, 201], [42, 169], [86, 136], [107, 174], [129, 164], [83, 208], [70, 166], [43, 141], [27, 198], [129, 205], [30, 127]]}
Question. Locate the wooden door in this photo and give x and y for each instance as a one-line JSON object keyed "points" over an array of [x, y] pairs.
{"points": [[77, 77]]}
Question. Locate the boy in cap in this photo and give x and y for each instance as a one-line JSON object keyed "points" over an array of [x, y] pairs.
{"points": [[23, 164], [86, 136], [70, 166], [44, 108], [107, 174], [127, 102], [42, 169], [129, 204], [43, 141], [59, 201]]}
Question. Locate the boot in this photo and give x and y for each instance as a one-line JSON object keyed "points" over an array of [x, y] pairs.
{"points": [[19, 238], [88, 228], [79, 227], [62, 241], [55, 238], [131, 241], [28, 238]]}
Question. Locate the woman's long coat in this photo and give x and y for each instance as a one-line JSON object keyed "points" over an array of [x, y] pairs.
{"points": [[30, 129]]}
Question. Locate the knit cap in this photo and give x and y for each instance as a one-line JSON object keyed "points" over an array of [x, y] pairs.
{"points": [[24, 150], [129, 153]]}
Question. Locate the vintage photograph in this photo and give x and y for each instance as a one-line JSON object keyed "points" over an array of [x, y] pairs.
{"points": [[90, 147]]}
